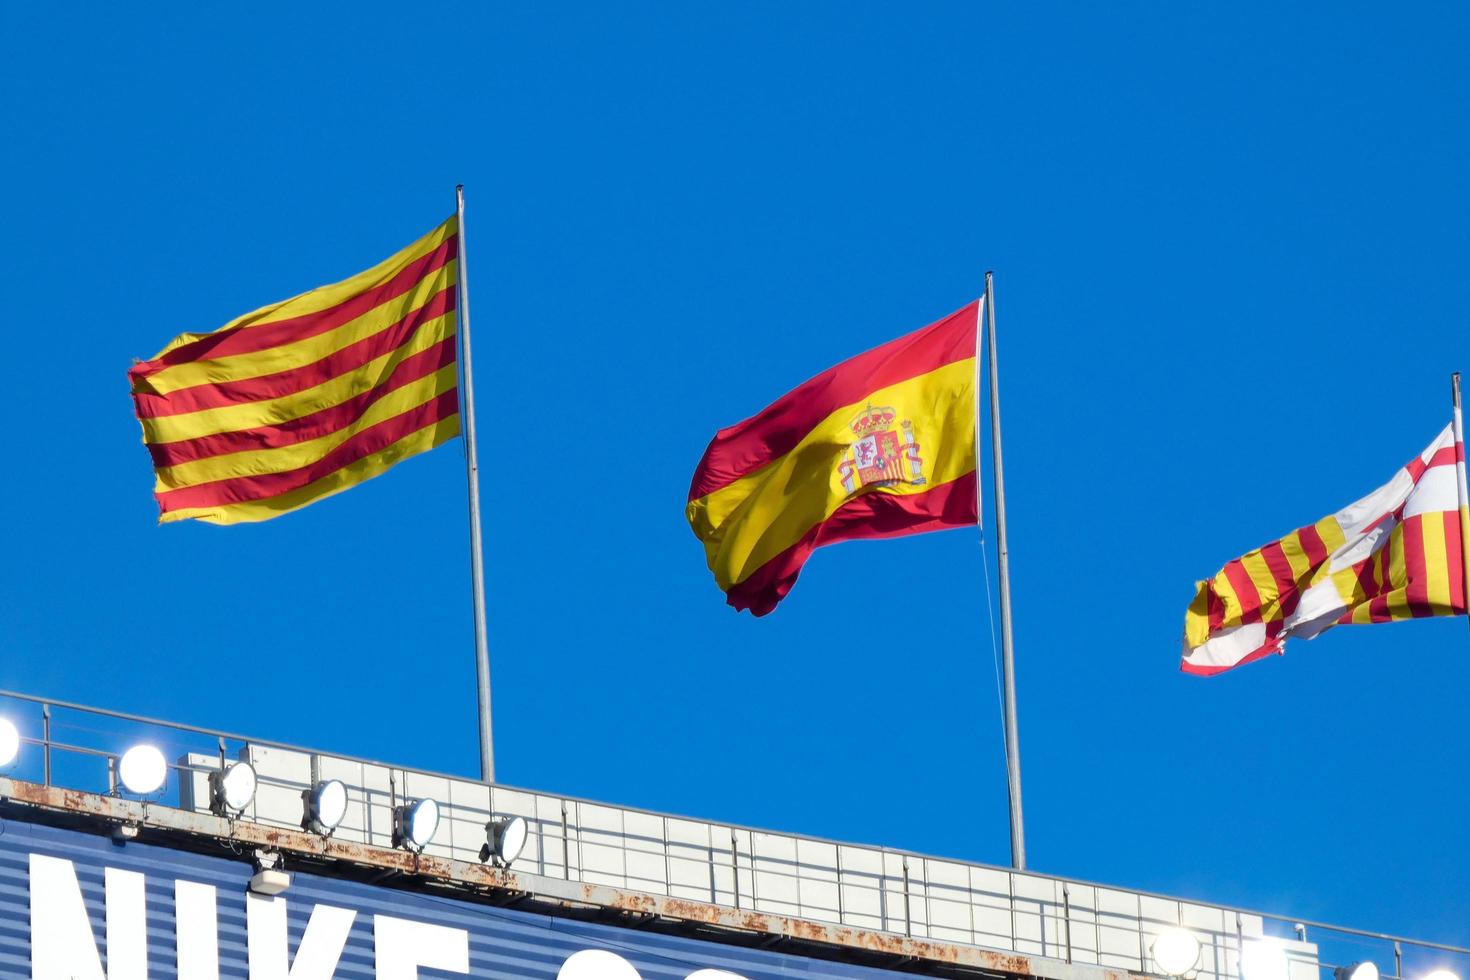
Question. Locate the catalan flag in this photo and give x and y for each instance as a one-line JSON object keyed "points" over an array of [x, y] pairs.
{"points": [[878, 446], [307, 397], [1395, 554]]}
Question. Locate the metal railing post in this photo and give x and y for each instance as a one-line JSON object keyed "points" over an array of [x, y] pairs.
{"points": [[1067, 918], [735, 867], [755, 890], [1239, 947], [566, 848], [838, 849], [46, 742], [908, 923], [668, 866]]}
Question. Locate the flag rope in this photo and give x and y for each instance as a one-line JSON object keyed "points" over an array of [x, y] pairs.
{"points": [[994, 650]]}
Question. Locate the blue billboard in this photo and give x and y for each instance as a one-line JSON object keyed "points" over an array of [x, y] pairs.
{"points": [[77, 906]]}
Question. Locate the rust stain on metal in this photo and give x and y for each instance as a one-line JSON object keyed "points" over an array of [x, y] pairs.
{"points": [[482, 876]]}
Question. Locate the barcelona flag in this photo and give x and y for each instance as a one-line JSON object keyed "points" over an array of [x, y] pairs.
{"points": [[1395, 554], [881, 445]]}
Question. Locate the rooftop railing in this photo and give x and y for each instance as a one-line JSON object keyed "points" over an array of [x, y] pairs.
{"points": [[861, 886]]}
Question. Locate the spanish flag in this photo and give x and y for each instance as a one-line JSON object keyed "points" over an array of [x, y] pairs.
{"points": [[307, 397], [878, 446], [1395, 554]]}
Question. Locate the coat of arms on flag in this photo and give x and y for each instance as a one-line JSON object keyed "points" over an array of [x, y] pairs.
{"points": [[878, 458]]}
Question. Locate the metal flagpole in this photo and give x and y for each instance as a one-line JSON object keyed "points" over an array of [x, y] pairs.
{"points": [[1464, 496], [477, 557], [1007, 653]]}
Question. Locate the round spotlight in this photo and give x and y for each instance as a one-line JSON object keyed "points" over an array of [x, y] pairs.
{"points": [[596, 964], [1263, 960], [416, 824], [142, 770], [234, 788], [326, 805], [1176, 951], [1442, 974], [505, 838], [9, 742], [1366, 970]]}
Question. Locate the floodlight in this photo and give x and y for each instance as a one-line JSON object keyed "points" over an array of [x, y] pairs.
{"points": [[232, 790], [9, 742], [326, 805], [1263, 960], [1442, 974], [1366, 970], [596, 964], [142, 770], [1176, 951], [415, 823], [505, 838]]}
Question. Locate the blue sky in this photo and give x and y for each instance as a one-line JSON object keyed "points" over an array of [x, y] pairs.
{"points": [[1229, 245]]}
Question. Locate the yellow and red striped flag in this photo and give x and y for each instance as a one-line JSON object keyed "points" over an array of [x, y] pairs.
{"points": [[307, 397], [880, 445], [1396, 554]]}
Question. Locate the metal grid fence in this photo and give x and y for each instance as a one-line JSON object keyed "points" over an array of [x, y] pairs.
{"points": [[860, 886]]}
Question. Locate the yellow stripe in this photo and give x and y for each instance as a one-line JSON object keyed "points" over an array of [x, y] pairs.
{"points": [[1398, 575], [1296, 557], [325, 297], [1197, 617], [1331, 534], [1255, 566], [257, 364], [258, 462], [1231, 615], [348, 476], [273, 411], [746, 524], [1437, 563]]}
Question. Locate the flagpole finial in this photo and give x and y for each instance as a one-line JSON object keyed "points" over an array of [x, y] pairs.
{"points": [[1455, 387]]}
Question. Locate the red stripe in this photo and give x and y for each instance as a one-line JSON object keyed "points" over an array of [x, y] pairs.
{"points": [[1216, 607], [365, 443], [289, 382], [1288, 595], [1378, 604], [1245, 591], [1312, 545], [248, 339], [1445, 456], [873, 515], [324, 422], [1367, 584], [1201, 670], [741, 449], [1417, 593], [1455, 559]]}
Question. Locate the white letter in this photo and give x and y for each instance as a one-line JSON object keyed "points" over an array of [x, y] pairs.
{"points": [[401, 947], [196, 930], [127, 925], [321, 944], [713, 975], [62, 944], [597, 964]]}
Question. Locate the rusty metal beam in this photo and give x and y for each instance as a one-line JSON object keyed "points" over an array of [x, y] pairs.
{"points": [[160, 823]]}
